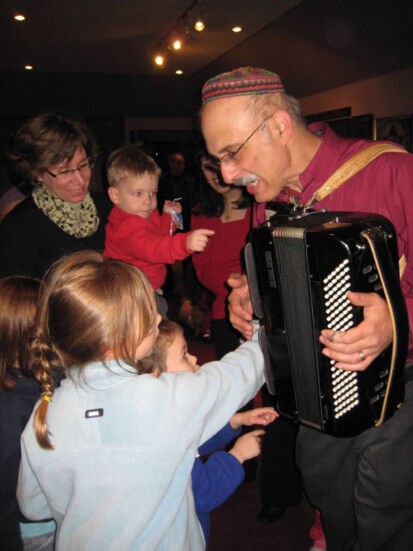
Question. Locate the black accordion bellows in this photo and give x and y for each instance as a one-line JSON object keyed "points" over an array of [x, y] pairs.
{"points": [[300, 267]]}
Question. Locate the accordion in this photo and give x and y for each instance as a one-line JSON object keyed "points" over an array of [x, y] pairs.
{"points": [[300, 266]]}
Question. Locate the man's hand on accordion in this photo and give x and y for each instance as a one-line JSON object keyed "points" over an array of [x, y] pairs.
{"points": [[240, 306], [356, 348]]}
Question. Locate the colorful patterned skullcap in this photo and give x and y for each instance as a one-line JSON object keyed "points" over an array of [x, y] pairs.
{"points": [[239, 82]]}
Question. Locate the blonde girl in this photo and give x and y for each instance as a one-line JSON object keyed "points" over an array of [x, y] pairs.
{"points": [[109, 452]]}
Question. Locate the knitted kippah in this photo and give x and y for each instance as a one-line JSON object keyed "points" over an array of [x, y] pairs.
{"points": [[242, 81]]}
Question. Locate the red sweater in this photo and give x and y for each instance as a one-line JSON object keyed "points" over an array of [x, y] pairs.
{"points": [[144, 243], [220, 257]]}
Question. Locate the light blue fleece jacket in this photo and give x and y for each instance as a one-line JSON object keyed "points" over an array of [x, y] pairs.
{"points": [[120, 479]]}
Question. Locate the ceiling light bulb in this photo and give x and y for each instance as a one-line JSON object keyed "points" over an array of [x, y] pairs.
{"points": [[177, 44], [179, 72], [19, 17], [236, 29], [28, 67], [159, 60], [199, 25]]}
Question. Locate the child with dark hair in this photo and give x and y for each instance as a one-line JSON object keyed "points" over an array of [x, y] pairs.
{"points": [[214, 480]]}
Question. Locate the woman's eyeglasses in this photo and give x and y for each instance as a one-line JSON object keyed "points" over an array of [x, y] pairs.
{"points": [[65, 175]]}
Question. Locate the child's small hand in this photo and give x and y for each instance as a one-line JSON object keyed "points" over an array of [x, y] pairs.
{"points": [[257, 416], [248, 445], [177, 207], [198, 239]]}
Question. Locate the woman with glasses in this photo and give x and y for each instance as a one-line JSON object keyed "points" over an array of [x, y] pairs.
{"points": [[56, 153]]}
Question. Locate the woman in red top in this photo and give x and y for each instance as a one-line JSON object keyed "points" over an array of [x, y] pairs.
{"points": [[227, 210]]}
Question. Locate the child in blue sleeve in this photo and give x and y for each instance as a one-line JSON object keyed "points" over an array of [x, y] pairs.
{"points": [[215, 479]]}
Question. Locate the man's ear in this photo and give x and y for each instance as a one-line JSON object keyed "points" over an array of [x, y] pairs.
{"points": [[281, 126], [113, 195]]}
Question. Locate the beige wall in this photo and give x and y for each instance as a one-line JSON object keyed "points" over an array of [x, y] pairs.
{"points": [[384, 96]]}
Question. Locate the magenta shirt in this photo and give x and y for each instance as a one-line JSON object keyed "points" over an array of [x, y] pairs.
{"points": [[385, 187]]}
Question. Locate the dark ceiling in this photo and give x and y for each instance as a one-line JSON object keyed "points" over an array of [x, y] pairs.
{"points": [[315, 45]]}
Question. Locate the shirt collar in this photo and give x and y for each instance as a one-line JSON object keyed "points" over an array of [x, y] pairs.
{"points": [[322, 165], [324, 162]]}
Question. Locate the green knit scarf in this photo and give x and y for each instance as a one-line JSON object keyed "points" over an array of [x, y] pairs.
{"points": [[82, 222]]}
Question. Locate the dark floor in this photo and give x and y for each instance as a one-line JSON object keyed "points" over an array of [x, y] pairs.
{"points": [[234, 526]]}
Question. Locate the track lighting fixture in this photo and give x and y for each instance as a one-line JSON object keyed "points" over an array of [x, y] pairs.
{"points": [[191, 22]]}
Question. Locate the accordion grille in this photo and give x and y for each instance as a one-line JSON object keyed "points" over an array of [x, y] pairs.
{"points": [[339, 316]]}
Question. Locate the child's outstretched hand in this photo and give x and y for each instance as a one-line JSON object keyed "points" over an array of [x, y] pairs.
{"points": [[177, 207], [198, 239], [248, 445], [257, 416]]}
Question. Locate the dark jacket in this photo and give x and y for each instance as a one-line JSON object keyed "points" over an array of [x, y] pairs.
{"points": [[15, 409], [30, 242]]}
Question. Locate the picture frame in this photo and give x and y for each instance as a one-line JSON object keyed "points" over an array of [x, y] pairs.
{"points": [[360, 127], [397, 129]]}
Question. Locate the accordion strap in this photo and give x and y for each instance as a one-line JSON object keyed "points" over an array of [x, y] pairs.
{"points": [[350, 168], [377, 240]]}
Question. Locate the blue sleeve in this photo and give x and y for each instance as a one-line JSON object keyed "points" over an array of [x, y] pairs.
{"points": [[215, 480], [221, 439]]}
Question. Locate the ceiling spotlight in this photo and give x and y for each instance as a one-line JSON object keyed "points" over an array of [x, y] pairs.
{"points": [[19, 17], [197, 12], [159, 60], [179, 72], [236, 29], [28, 67], [199, 25], [177, 44]]}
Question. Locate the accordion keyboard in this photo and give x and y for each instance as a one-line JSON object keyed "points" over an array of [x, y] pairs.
{"points": [[339, 315]]}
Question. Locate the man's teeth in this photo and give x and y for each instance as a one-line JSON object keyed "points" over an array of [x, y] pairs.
{"points": [[246, 182], [250, 183]]}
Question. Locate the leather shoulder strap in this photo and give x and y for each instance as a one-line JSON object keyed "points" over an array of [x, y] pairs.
{"points": [[351, 167]]}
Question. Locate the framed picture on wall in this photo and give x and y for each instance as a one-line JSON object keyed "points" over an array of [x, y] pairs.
{"points": [[396, 129], [360, 126]]}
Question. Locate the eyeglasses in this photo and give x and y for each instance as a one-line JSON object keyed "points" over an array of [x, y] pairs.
{"points": [[231, 158], [210, 164], [66, 175]]}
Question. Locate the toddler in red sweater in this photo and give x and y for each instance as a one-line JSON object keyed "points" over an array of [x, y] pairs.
{"points": [[136, 233]]}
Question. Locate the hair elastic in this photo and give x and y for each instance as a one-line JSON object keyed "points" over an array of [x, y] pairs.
{"points": [[47, 396]]}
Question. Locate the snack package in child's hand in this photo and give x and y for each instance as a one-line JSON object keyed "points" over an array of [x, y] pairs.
{"points": [[176, 217]]}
